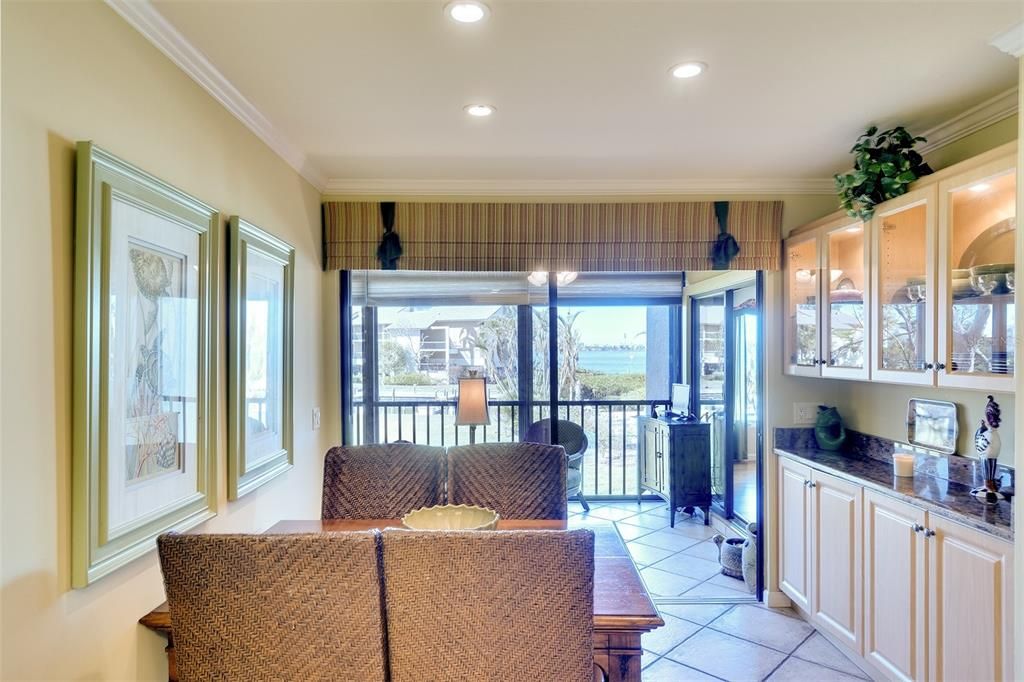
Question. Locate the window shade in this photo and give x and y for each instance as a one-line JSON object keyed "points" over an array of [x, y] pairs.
{"points": [[410, 288], [517, 237]]}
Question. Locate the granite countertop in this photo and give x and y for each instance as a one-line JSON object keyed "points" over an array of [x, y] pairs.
{"points": [[946, 498]]}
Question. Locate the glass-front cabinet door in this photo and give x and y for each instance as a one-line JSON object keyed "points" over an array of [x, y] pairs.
{"points": [[904, 289], [802, 293], [977, 231], [845, 285]]}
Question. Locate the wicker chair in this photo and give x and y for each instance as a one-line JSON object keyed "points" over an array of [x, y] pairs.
{"points": [[517, 480], [275, 607], [574, 440], [381, 481], [500, 605]]}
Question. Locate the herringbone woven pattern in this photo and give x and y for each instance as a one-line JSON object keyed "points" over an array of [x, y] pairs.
{"points": [[275, 607], [381, 481], [471, 606], [517, 480]]}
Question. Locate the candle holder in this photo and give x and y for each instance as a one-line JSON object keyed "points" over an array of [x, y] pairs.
{"points": [[987, 445]]}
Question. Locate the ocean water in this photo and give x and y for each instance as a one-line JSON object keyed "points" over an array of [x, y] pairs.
{"points": [[614, 361]]}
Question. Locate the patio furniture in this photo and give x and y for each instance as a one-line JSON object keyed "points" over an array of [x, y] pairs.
{"points": [[623, 610], [517, 480], [260, 607], [571, 437], [450, 617], [381, 481]]}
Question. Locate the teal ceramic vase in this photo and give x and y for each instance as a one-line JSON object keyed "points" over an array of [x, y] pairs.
{"points": [[828, 429]]}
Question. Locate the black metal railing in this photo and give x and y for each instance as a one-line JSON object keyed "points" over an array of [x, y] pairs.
{"points": [[609, 463]]}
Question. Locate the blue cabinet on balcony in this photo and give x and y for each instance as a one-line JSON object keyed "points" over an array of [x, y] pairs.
{"points": [[674, 463]]}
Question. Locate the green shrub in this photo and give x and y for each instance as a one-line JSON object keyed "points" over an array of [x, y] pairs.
{"points": [[410, 379], [595, 386]]}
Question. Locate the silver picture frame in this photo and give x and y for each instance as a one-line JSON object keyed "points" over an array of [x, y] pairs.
{"points": [[933, 424]]}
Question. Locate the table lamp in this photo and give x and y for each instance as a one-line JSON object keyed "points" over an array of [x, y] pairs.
{"points": [[471, 408]]}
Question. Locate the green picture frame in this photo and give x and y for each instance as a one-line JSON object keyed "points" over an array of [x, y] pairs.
{"points": [[145, 363], [261, 286]]}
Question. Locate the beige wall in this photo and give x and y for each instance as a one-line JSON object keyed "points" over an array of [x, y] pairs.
{"points": [[73, 71]]}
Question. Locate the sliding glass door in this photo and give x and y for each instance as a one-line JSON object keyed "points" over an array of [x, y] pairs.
{"points": [[612, 348], [726, 388]]}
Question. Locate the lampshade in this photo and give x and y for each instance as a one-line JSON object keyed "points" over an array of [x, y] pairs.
{"points": [[471, 409]]}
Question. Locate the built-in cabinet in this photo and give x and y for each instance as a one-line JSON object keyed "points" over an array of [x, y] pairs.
{"points": [[674, 462], [820, 548], [921, 294], [917, 595]]}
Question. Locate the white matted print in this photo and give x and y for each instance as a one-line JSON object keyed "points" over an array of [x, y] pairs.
{"points": [[259, 357], [145, 365]]}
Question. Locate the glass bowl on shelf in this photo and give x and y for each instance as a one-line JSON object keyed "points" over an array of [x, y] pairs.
{"points": [[990, 278], [917, 289]]}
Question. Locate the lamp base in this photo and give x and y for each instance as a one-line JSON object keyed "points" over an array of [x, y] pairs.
{"points": [[472, 435]]}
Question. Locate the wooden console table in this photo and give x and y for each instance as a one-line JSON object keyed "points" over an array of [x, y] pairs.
{"points": [[623, 609]]}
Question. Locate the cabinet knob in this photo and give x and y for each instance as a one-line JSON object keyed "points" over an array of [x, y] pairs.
{"points": [[941, 365], [918, 528], [812, 484], [929, 365], [929, 533]]}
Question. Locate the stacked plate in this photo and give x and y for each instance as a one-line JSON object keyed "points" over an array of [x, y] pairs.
{"points": [[993, 278]]}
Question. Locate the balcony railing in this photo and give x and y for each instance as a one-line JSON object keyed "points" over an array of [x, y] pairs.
{"points": [[609, 464]]}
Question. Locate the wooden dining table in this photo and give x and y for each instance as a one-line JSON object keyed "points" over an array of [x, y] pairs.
{"points": [[623, 610]]}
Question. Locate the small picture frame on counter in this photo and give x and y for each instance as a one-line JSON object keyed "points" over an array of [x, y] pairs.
{"points": [[932, 424]]}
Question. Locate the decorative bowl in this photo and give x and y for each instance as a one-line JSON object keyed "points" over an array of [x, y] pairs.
{"points": [[989, 279], [451, 517]]}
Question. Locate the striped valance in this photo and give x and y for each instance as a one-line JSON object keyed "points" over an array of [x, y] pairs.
{"points": [[523, 237]]}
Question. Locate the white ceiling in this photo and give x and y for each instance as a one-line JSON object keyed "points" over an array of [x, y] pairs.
{"points": [[373, 90]]}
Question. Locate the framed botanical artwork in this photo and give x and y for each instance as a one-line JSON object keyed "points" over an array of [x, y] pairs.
{"points": [[260, 300], [144, 451]]}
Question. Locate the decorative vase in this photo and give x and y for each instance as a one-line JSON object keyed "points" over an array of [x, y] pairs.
{"points": [[987, 445], [749, 558], [828, 429], [730, 555]]}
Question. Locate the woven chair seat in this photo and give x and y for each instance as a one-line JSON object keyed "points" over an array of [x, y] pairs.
{"points": [[275, 607], [381, 481], [517, 480], [570, 435], [466, 606]]}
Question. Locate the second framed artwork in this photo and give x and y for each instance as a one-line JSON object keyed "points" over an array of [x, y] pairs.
{"points": [[261, 295]]}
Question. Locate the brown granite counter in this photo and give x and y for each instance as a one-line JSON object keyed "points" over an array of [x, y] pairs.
{"points": [[940, 496]]}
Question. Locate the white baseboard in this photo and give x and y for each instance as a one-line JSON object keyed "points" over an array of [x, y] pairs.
{"points": [[776, 599]]}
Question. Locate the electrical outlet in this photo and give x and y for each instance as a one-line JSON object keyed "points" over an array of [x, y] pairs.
{"points": [[805, 413], [316, 418]]}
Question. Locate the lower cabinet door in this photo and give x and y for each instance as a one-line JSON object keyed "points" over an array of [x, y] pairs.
{"points": [[894, 587], [836, 557], [970, 623], [794, 532]]}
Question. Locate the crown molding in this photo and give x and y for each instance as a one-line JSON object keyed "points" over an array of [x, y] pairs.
{"points": [[981, 115], [148, 21], [341, 187], [1010, 41]]}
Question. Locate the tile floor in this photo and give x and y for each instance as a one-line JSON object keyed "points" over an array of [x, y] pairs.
{"points": [[675, 562], [711, 641]]}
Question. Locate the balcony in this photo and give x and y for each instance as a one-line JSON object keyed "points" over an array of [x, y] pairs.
{"points": [[609, 464]]}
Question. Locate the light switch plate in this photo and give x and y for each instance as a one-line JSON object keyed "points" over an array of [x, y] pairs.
{"points": [[316, 418], [805, 413]]}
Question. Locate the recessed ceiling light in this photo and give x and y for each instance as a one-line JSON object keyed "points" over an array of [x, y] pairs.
{"points": [[688, 69], [980, 187], [479, 110], [467, 11]]}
